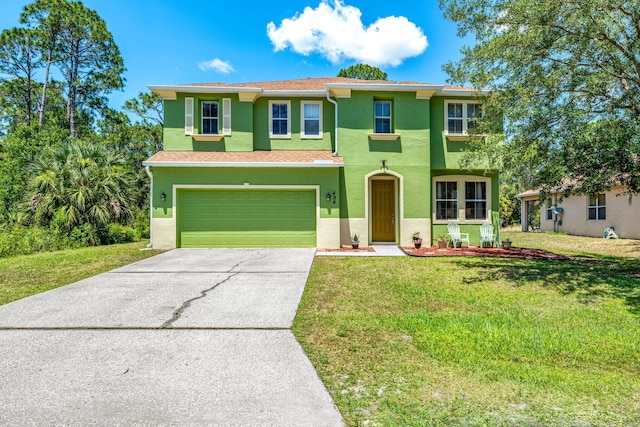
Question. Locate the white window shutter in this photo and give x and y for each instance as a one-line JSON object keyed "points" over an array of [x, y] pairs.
{"points": [[226, 116], [188, 116]]}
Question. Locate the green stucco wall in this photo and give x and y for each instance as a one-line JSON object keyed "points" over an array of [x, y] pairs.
{"points": [[241, 138], [261, 125], [407, 156]]}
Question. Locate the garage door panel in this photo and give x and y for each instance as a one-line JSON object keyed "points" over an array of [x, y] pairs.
{"points": [[247, 218]]}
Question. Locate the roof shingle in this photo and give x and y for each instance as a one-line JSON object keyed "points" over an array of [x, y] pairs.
{"points": [[284, 158]]}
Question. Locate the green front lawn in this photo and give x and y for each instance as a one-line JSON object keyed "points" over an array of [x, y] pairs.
{"points": [[478, 341], [25, 275]]}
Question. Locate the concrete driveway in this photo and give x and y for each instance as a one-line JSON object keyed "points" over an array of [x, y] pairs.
{"points": [[189, 337]]}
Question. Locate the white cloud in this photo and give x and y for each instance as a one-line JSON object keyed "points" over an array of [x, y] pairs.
{"points": [[335, 31], [217, 65]]}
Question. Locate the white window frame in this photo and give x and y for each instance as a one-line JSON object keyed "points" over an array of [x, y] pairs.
{"points": [[279, 136], [389, 117], [461, 181], [303, 119], [457, 208], [203, 118], [597, 207], [487, 188], [465, 120]]}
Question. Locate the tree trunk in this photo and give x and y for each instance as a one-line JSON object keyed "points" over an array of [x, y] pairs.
{"points": [[43, 99], [73, 89]]}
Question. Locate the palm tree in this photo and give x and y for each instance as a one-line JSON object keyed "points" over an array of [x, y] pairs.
{"points": [[80, 183]]}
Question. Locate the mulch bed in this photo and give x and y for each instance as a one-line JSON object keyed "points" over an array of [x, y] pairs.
{"points": [[490, 252]]}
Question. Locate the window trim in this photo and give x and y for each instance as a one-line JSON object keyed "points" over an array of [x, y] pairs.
{"points": [[475, 200], [390, 117], [461, 183], [456, 200], [303, 135], [280, 136], [597, 206], [465, 120], [202, 117]]}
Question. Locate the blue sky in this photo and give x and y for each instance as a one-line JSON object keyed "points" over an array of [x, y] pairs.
{"points": [[195, 41]]}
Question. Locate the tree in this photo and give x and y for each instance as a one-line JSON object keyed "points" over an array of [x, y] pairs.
{"points": [[90, 61], [19, 59], [80, 183], [363, 72], [566, 76], [77, 41], [46, 17], [148, 106]]}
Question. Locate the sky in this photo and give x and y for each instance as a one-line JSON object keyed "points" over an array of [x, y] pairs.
{"points": [[167, 42]]}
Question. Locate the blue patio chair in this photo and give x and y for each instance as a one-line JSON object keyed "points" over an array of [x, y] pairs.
{"points": [[456, 235]]}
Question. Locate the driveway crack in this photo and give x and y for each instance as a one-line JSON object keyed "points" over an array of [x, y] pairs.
{"points": [[247, 260], [178, 312]]}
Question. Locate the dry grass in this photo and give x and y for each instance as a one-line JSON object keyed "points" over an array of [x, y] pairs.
{"points": [[574, 245]]}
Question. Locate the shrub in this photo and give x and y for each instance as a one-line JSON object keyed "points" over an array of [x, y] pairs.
{"points": [[141, 224], [118, 233], [21, 240]]}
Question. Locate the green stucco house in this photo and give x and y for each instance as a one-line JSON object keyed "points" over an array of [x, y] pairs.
{"points": [[310, 162]]}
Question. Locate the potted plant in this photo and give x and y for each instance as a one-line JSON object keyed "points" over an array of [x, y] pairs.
{"points": [[417, 240], [506, 243], [442, 241], [355, 241]]}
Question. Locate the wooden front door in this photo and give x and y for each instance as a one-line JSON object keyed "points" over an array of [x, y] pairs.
{"points": [[383, 210]]}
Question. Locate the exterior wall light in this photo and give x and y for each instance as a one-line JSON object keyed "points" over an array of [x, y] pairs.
{"points": [[384, 165], [328, 197], [163, 196]]}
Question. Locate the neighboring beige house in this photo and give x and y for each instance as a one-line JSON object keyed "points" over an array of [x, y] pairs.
{"points": [[584, 215]]}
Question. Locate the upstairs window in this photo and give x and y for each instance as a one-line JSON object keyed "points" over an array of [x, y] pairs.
{"points": [[597, 209], [210, 118], [454, 118], [474, 112], [476, 200], [461, 117], [447, 200], [279, 124], [311, 126], [382, 117]]}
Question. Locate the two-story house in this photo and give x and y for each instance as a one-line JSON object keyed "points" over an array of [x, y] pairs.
{"points": [[310, 162]]}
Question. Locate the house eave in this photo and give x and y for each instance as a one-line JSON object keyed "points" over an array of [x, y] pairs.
{"points": [[294, 93], [392, 87], [319, 164], [463, 92], [169, 92]]}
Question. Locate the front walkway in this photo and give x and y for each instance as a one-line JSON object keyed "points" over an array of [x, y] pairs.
{"points": [[375, 250]]}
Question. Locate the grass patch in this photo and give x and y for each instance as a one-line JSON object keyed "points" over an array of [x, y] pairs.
{"points": [[475, 341], [22, 276]]}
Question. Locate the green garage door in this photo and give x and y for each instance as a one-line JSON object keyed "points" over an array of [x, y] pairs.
{"points": [[246, 218]]}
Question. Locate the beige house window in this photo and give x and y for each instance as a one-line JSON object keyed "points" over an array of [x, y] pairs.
{"points": [[597, 209]]}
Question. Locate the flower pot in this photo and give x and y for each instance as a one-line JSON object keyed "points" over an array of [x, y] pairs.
{"points": [[355, 245], [417, 243], [442, 244], [506, 244]]}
